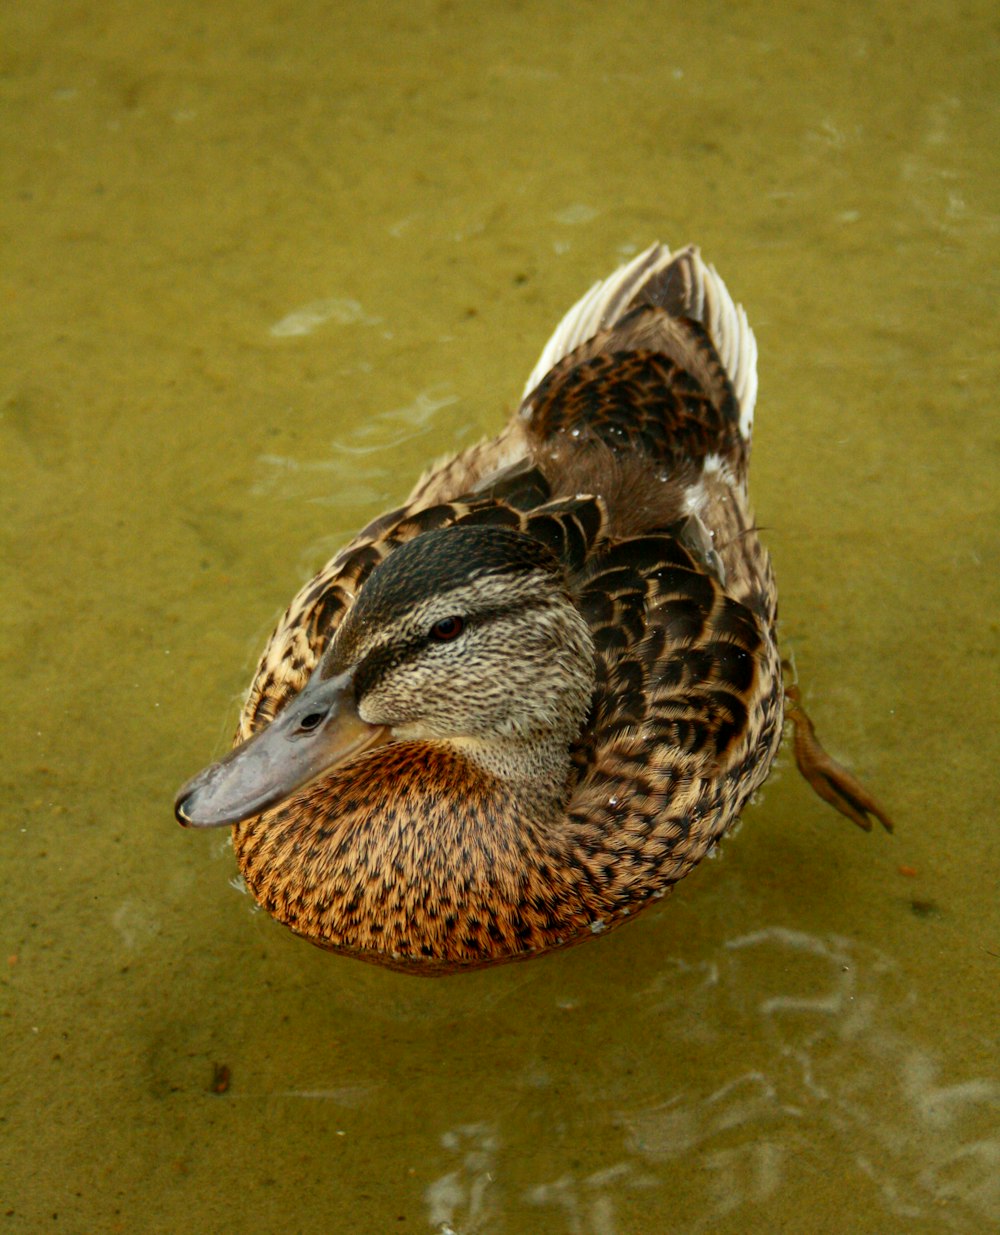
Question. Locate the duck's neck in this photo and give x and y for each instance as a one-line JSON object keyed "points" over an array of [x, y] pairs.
{"points": [[423, 855], [534, 771]]}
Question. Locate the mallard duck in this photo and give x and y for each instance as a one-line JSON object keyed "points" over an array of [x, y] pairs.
{"points": [[515, 710]]}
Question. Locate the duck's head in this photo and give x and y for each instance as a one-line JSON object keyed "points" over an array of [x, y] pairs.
{"points": [[466, 636]]}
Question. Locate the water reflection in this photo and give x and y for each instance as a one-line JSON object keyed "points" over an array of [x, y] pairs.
{"points": [[806, 1043]]}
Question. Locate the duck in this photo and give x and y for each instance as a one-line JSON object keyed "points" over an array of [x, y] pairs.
{"points": [[517, 709]]}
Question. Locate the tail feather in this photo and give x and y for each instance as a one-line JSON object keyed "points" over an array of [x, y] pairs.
{"points": [[685, 286]]}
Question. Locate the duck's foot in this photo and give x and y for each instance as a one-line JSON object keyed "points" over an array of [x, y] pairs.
{"points": [[829, 779]]}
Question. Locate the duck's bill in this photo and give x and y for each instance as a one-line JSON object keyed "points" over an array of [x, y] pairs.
{"points": [[318, 730]]}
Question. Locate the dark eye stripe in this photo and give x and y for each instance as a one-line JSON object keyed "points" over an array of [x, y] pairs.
{"points": [[381, 660]]}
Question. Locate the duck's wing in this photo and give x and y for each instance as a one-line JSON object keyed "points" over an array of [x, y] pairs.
{"points": [[687, 712]]}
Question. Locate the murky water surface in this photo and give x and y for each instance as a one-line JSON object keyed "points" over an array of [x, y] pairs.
{"points": [[260, 265]]}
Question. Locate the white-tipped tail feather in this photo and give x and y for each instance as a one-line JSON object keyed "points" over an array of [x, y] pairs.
{"points": [[705, 299]]}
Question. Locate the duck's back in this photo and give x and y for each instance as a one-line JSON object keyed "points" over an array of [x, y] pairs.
{"points": [[645, 395]]}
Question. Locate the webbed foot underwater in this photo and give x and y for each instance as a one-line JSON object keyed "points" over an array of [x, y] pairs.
{"points": [[517, 709]]}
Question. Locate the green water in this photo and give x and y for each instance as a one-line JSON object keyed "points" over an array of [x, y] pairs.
{"points": [[804, 1037]]}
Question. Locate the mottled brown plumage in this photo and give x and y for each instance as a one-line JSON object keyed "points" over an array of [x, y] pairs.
{"points": [[513, 711]]}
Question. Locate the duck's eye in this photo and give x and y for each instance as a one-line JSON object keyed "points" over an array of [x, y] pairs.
{"points": [[447, 628], [312, 721]]}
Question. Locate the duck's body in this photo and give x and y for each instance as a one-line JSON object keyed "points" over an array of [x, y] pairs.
{"points": [[518, 708]]}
